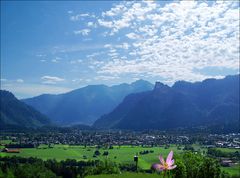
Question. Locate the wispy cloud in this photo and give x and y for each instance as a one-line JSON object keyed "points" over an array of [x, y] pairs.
{"points": [[83, 32], [40, 55], [78, 16], [20, 80], [55, 60], [78, 61], [105, 78], [51, 79]]}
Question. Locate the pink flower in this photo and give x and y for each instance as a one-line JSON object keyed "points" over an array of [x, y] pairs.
{"points": [[163, 166]]}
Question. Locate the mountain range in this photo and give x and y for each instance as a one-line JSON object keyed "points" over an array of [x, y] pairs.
{"points": [[136, 106], [15, 113], [84, 105], [208, 103]]}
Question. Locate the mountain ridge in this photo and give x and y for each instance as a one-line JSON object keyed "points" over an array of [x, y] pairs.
{"points": [[185, 104], [16, 113], [86, 104]]}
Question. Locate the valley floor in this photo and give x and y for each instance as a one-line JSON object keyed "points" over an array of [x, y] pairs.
{"points": [[122, 154]]}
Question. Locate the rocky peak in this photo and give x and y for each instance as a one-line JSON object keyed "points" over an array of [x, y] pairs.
{"points": [[161, 87]]}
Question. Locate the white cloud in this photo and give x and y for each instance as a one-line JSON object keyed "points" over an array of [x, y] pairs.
{"points": [[20, 80], [97, 63], [95, 54], [91, 24], [115, 11], [107, 24], [132, 36], [112, 50], [78, 61], [83, 32], [171, 41], [77, 80], [51, 79], [113, 54], [40, 55], [107, 46], [78, 17], [125, 46], [149, 30], [129, 12]]}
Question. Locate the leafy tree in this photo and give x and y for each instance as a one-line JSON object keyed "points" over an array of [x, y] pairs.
{"points": [[192, 163], [209, 168], [105, 153], [199, 166], [34, 170], [180, 170], [9, 174], [97, 153]]}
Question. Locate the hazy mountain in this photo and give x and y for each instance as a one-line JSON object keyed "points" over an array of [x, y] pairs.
{"points": [[85, 105], [185, 104], [16, 113]]}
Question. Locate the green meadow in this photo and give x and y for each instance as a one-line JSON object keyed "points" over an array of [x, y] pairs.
{"points": [[229, 150], [234, 170], [123, 154], [6, 141]]}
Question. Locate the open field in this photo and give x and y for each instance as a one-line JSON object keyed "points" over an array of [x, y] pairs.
{"points": [[229, 150], [5, 141], [123, 154], [235, 170]]}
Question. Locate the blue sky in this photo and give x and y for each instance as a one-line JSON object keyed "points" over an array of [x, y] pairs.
{"points": [[54, 47]]}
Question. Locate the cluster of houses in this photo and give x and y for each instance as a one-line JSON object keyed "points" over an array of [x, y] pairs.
{"points": [[107, 138], [225, 140], [99, 138]]}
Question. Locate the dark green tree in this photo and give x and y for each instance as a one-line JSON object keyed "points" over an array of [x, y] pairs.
{"points": [[180, 170]]}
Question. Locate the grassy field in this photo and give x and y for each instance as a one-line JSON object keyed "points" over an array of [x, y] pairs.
{"points": [[229, 150], [5, 141], [124, 154], [235, 170]]}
